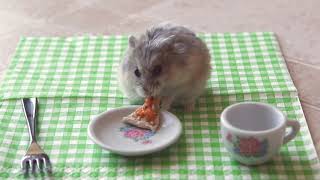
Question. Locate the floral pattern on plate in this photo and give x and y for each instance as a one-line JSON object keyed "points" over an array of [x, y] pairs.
{"points": [[137, 134]]}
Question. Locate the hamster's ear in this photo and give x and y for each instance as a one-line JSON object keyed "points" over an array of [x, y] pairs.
{"points": [[179, 48], [132, 41]]}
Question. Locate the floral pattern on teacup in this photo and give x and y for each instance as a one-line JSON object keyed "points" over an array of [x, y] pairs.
{"points": [[137, 134], [248, 146]]}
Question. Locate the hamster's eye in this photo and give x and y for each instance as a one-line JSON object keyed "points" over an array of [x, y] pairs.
{"points": [[137, 73], [157, 70]]}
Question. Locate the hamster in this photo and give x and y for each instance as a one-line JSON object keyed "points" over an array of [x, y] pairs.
{"points": [[167, 61]]}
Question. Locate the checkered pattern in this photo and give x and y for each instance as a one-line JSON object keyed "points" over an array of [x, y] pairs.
{"points": [[247, 63], [64, 67], [87, 66], [80, 73], [198, 154]]}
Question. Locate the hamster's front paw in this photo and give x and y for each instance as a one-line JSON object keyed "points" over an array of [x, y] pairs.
{"points": [[189, 107], [166, 102]]}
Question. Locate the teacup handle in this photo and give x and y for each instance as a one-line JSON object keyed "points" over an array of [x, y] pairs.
{"points": [[295, 127]]}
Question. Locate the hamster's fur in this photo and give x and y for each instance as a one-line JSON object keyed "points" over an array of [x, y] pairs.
{"points": [[168, 61]]}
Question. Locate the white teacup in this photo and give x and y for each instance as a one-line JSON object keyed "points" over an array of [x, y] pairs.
{"points": [[253, 132]]}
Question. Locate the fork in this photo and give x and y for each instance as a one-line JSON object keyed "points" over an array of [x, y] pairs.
{"points": [[34, 155]]}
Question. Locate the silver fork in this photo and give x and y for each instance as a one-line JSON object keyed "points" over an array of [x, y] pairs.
{"points": [[35, 155]]}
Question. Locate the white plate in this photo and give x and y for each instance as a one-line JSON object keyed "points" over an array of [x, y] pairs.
{"points": [[108, 131]]}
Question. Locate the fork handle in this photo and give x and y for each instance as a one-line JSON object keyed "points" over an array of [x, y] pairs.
{"points": [[30, 112]]}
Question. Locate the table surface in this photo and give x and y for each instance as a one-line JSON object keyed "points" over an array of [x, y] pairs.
{"points": [[296, 23]]}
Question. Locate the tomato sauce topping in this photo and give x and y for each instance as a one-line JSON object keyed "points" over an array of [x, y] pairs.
{"points": [[147, 110]]}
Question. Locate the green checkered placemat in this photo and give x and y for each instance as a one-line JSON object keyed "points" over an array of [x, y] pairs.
{"points": [[198, 154], [76, 79], [87, 66]]}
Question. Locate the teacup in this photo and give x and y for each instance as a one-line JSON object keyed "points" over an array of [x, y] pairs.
{"points": [[254, 132]]}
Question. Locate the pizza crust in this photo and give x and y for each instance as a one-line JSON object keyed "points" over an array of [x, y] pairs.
{"points": [[142, 122]]}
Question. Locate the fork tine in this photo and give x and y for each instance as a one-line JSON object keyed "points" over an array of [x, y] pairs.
{"points": [[32, 165], [25, 168], [47, 163], [24, 165], [38, 162], [28, 165]]}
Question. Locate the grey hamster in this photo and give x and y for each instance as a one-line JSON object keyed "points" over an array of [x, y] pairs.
{"points": [[168, 61]]}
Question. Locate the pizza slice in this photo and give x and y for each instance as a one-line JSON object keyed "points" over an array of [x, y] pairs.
{"points": [[146, 116]]}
